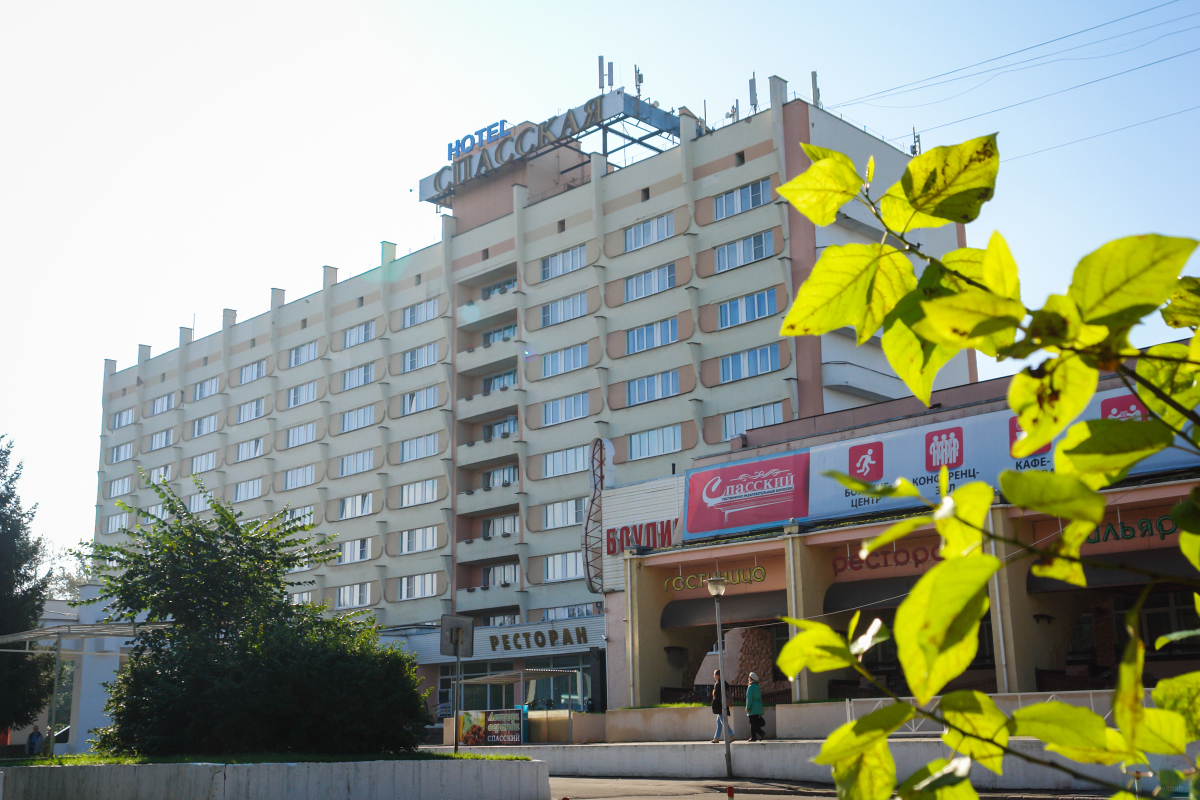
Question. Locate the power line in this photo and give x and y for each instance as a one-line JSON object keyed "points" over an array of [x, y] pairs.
{"points": [[1060, 91], [1106, 133], [1006, 55]]}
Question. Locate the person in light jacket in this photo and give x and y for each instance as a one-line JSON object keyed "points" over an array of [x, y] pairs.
{"points": [[716, 706], [754, 709]]}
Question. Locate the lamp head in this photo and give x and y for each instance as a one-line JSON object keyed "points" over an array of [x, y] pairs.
{"points": [[716, 585]]}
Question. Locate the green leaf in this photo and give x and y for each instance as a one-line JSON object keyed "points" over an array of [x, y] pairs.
{"points": [[1116, 749], [1048, 398], [876, 632], [937, 626], [954, 773], [1063, 564], [1052, 493], [901, 487], [1129, 278], [1175, 379], [1000, 269], [851, 284], [1186, 516], [916, 360], [1155, 730], [816, 153], [1181, 694], [817, 647], [855, 738], [869, 776], [960, 517], [922, 777], [1168, 779], [953, 182], [870, 169], [898, 531], [899, 215], [823, 188], [1184, 308], [1077, 733], [1163, 641], [1163, 732], [1100, 452], [975, 713], [971, 318]]}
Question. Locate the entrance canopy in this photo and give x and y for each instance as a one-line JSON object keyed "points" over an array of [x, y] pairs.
{"points": [[879, 593], [518, 676], [755, 607], [1168, 561], [98, 630]]}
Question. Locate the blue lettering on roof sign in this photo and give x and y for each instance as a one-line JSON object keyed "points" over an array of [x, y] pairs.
{"points": [[493, 132]]}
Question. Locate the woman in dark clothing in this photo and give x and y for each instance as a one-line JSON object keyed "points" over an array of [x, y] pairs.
{"points": [[716, 706]]}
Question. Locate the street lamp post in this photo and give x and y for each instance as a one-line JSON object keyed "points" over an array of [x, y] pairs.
{"points": [[716, 587]]}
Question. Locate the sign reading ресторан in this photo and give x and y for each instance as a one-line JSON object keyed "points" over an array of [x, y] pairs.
{"points": [[537, 639]]}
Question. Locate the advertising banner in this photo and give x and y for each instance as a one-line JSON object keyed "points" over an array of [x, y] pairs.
{"points": [[746, 495], [485, 728]]}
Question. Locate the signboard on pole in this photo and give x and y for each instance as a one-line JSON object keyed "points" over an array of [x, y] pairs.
{"points": [[490, 728], [466, 639]]}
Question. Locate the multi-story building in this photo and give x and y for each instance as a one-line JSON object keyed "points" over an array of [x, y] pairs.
{"points": [[435, 412]]}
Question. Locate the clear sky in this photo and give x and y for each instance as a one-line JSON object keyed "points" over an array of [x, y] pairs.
{"points": [[160, 161]]}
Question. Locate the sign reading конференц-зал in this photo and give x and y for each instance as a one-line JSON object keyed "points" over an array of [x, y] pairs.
{"points": [[775, 490]]}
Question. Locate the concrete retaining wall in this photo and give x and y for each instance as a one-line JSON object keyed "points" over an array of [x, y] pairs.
{"points": [[678, 724], [810, 720], [345, 780]]}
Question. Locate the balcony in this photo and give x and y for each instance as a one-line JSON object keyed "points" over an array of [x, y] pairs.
{"points": [[488, 358], [484, 406], [475, 550], [480, 314], [478, 598], [486, 453], [861, 381], [480, 501]]}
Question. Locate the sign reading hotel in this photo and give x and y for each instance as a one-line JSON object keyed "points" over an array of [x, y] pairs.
{"points": [[746, 495]]}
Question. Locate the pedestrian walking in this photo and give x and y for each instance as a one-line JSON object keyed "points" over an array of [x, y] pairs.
{"points": [[754, 709], [716, 706]]}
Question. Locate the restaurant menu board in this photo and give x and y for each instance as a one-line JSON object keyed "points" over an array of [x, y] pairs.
{"points": [[490, 728]]}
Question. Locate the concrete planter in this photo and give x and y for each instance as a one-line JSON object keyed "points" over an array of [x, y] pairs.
{"points": [[345, 780]]}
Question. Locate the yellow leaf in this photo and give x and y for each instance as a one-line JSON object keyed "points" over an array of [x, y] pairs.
{"points": [[898, 531], [817, 647], [1052, 493], [899, 215], [822, 189], [971, 318], [1184, 308], [1115, 750], [953, 182], [1101, 451], [963, 790], [1175, 379], [1047, 399], [1063, 565], [975, 713], [1000, 270], [855, 738], [870, 169], [914, 359], [960, 530], [1129, 278]]}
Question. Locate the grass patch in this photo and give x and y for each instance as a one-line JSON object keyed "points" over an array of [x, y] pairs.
{"points": [[250, 758], [677, 705]]}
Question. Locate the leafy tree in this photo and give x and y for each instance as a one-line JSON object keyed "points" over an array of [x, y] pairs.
{"points": [[970, 298], [26, 682], [243, 668]]}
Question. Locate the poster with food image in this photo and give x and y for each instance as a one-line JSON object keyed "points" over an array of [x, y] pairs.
{"points": [[490, 728]]}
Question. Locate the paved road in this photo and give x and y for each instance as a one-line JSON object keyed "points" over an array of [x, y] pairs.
{"points": [[630, 788]]}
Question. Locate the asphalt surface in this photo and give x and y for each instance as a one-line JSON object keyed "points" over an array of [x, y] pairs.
{"points": [[636, 788]]}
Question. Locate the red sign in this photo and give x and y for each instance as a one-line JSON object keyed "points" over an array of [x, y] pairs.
{"points": [[866, 462], [1125, 407], [646, 534], [943, 448], [1016, 434], [747, 494]]}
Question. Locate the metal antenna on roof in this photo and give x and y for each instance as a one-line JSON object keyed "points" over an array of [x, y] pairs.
{"points": [[638, 77], [753, 94], [816, 98], [610, 76], [601, 73]]}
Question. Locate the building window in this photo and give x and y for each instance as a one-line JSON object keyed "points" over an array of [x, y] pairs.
{"points": [[355, 596], [197, 502], [356, 463], [252, 410], [743, 199], [500, 526], [119, 487], [419, 400], [647, 337], [301, 598], [252, 372], [491, 430], [247, 490], [204, 426], [500, 287], [116, 522], [652, 387], [304, 514], [357, 506], [299, 395], [250, 449], [649, 232], [298, 477], [563, 514], [565, 409], [564, 309], [413, 587], [357, 550], [418, 447], [654, 443], [500, 334], [415, 494], [568, 612], [565, 462], [564, 262], [747, 309], [162, 404], [420, 357], [494, 383], [358, 418], [738, 422], [566, 360], [752, 248], [500, 620], [500, 574], [359, 376], [501, 476], [156, 511], [160, 474], [421, 312], [162, 439], [301, 434], [650, 282], [122, 418], [358, 334], [418, 540], [758, 361], [204, 462], [302, 354], [564, 566], [122, 452], [206, 389]]}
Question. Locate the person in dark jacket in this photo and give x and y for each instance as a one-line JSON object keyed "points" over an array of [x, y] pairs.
{"points": [[722, 719], [33, 745], [754, 709]]}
